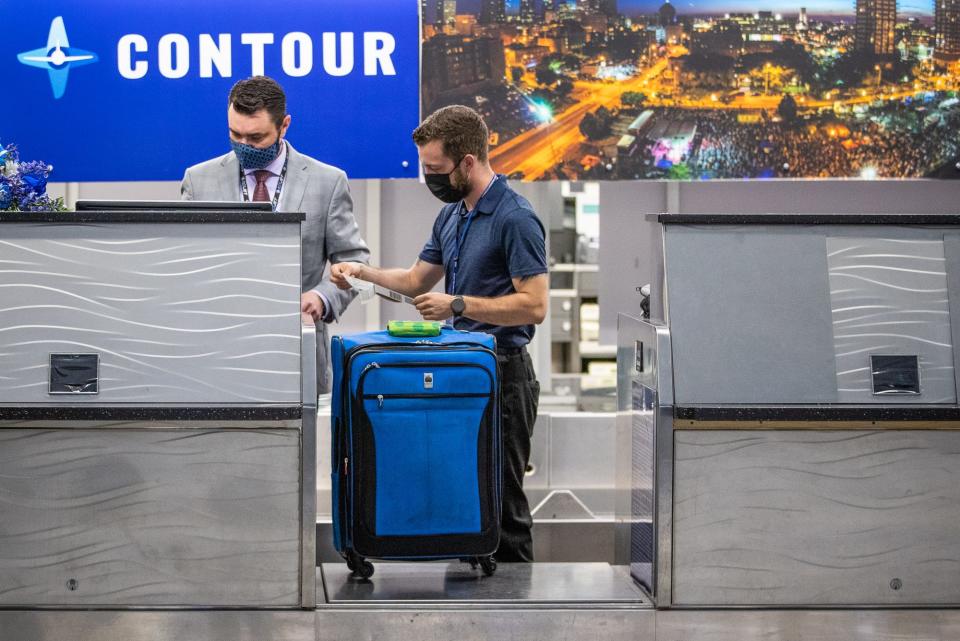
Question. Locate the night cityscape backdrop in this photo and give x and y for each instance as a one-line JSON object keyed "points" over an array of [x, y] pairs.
{"points": [[641, 89], [633, 8]]}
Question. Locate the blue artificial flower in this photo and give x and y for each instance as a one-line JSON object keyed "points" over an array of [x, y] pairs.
{"points": [[23, 185], [17, 187], [10, 153], [34, 202], [26, 202], [34, 177], [6, 194]]}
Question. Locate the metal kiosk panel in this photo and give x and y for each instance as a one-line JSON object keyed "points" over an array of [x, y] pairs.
{"points": [[157, 411]]}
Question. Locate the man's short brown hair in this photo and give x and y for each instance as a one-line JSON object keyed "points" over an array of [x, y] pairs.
{"points": [[460, 129], [259, 92]]}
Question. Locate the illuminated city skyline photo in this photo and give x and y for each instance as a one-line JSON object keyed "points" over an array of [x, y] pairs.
{"points": [[817, 8], [717, 89]]}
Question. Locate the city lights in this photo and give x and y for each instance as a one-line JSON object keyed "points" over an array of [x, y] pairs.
{"points": [[542, 111]]}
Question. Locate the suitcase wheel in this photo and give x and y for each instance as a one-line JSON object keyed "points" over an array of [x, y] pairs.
{"points": [[365, 571], [488, 564], [359, 566]]}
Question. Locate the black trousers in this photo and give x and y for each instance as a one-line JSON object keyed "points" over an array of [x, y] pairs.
{"points": [[519, 400]]}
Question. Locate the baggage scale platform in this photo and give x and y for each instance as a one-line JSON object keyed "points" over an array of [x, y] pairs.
{"points": [[516, 585], [448, 600]]}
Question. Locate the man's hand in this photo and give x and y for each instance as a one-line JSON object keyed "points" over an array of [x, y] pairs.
{"points": [[434, 306], [310, 303], [340, 271]]}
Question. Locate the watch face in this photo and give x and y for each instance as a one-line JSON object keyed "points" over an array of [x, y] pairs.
{"points": [[457, 306]]}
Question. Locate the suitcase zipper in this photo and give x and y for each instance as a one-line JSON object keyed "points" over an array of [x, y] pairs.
{"points": [[380, 398]]}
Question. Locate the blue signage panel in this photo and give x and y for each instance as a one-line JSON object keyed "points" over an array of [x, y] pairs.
{"points": [[120, 90]]}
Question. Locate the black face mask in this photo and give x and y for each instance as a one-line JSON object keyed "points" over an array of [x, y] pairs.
{"points": [[441, 186]]}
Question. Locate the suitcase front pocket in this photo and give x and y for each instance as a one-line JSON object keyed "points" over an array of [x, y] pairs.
{"points": [[426, 458]]}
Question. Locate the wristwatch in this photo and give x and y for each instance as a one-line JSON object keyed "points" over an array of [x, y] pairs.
{"points": [[458, 306]]}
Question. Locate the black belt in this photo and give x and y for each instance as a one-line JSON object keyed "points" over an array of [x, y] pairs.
{"points": [[511, 351]]}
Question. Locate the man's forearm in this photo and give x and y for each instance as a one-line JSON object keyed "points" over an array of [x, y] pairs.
{"points": [[396, 279], [510, 310]]}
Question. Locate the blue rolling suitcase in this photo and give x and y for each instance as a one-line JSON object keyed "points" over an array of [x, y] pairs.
{"points": [[416, 448]]}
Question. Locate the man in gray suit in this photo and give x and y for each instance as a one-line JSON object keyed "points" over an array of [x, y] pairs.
{"points": [[263, 166]]}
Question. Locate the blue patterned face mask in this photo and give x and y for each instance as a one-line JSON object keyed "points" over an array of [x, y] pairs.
{"points": [[253, 157]]}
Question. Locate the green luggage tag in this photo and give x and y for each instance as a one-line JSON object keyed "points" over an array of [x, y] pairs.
{"points": [[414, 328]]}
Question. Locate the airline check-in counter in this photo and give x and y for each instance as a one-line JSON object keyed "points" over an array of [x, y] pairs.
{"points": [[790, 416], [157, 408]]}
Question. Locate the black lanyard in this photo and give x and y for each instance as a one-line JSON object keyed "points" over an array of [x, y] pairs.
{"points": [[276, 196], [461, 236]]}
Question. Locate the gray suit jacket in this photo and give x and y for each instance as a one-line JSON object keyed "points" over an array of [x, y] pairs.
{"points": [[329, 233]]}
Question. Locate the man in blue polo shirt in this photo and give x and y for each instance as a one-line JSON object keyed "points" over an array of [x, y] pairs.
{"points": [[489, 246]]}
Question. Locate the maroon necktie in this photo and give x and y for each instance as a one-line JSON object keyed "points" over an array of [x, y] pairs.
{"points": [[260, 194]]}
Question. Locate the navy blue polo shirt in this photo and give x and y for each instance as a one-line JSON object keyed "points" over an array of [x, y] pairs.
{"points": [[504, 240]]}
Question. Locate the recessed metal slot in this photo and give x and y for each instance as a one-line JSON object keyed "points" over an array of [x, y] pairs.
{"points": [[895, 374], [74, 374]]}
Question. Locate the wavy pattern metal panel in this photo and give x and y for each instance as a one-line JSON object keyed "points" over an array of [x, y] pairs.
{"points": [[890, 297], [178, 313], [816, 518], [149, 517]]}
